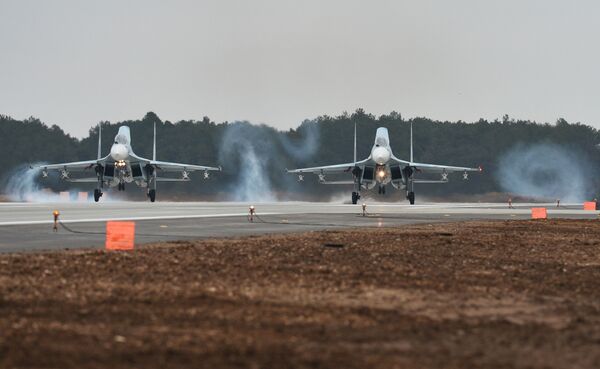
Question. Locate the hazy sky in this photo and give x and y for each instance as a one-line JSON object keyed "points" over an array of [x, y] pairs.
{"points": [[74, 63]]}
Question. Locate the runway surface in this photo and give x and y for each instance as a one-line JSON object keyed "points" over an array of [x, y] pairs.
{"points": [[28, 226]]}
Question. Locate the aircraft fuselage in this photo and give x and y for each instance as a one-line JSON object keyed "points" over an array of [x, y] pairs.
{"points": [[381, 153]]}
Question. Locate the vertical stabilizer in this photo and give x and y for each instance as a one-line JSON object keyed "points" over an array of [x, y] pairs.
{"points": [[99, 141], [354, 142], [411, 142], [154, 144]]}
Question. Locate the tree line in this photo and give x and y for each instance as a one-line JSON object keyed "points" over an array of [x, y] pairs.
{"points": [[321, 141]]}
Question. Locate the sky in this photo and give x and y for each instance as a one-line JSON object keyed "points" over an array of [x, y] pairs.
{"points": [[74, 62]]}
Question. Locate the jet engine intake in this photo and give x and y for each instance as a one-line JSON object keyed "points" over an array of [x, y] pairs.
{"points": [[396, 173], [368, 174]]}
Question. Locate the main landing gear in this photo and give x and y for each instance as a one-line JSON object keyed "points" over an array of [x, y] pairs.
{"points": [[355, 197], [411, 197], [97, 194]]}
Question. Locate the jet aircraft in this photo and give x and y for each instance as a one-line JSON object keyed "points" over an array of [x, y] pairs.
{"points": [[382, 168], [123, 166]]}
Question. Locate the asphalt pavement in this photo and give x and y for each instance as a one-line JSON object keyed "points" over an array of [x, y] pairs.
{"points": [[28, 226]]}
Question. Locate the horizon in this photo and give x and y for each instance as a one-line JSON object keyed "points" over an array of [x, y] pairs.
{"points": [[280, 129], [277, 63]]}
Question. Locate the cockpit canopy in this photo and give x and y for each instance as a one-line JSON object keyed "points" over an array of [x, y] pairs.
{"points": [[381, 141]]}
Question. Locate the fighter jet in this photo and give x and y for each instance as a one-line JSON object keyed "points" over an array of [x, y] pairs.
{"points": [[382, 168], [123, 166]]}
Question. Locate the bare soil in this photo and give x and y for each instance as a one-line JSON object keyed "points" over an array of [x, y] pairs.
{"points": [[513, 294]]}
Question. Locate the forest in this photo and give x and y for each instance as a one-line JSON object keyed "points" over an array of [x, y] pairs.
{"points": [[549, 160]]}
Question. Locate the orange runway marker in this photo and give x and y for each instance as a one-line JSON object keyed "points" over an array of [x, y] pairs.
{"points": [[589, 205], [539, 213], [120, 235]]}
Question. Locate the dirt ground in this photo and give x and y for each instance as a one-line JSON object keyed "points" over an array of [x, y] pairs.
{"points": [[513, 294]]}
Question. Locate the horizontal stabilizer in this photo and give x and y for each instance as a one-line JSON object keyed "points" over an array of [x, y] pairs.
{"points": [[337, 182], [430, 181], [163, 179], [82, 180]]}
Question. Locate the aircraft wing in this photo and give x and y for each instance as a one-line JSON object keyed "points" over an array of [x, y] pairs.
{"points": [[173, 167], [337, 168], [176, 167], [71, 166], [435, 168]]}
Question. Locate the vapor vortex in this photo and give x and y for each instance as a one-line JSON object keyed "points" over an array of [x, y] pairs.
{"points": [[545, 171], [21, 185], [255, 153]]}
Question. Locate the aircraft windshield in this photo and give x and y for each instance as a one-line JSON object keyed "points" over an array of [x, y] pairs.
{"points": [[381, 141], [121, 139]]}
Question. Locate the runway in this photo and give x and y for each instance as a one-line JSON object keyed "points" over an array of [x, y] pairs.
{"points": [[28, 226]]}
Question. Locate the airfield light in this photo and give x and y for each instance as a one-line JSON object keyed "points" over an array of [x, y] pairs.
{"points": [[251, 214], [55, 213]]}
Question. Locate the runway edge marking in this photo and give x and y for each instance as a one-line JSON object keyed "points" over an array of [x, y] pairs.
{"points": [[32, 222]]}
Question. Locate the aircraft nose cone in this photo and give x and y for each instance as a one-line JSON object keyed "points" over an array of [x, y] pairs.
{"points": [[380, 155], [118, 152]]}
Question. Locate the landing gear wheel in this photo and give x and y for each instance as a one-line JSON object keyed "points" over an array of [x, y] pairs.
{"points": [[152, 195], [411, 197], [383, 190], [355, 197], [97, 195]]}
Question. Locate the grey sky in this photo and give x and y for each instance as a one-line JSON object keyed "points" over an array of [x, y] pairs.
{"points": [[74, 63]]}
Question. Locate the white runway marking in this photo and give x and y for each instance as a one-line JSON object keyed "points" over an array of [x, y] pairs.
{"points": [[74, 212], [91, 220]]}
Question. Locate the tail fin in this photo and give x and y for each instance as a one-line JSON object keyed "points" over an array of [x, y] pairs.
{"points": [[411, 142], [154, 144], [355, 143], [99, 141]]}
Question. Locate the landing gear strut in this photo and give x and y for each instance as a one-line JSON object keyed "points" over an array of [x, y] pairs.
{"points": [[357, 174], [355, 197], [151, 182], [98, 190], [410, 191]]}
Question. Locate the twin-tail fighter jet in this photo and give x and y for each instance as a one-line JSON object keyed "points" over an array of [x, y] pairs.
{"points": [[123, 166], [382, 168]]}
